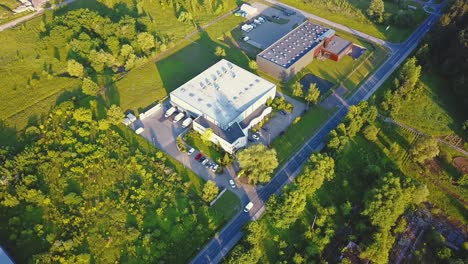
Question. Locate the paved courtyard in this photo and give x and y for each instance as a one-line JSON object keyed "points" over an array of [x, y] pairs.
{"points": [[267, 33], [162, 132]]}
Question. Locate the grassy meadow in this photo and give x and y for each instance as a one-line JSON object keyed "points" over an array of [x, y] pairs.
{"points": [[355, 17]]}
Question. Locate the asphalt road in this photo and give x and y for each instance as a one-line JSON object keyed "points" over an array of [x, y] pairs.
{"points": [[222, 243]]}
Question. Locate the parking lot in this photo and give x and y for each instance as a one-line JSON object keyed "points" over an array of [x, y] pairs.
{"points": [[278, 123], [162, 132], [277, 25]]}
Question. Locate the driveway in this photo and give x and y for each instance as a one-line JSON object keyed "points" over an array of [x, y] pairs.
{"points": [[162, 133]]}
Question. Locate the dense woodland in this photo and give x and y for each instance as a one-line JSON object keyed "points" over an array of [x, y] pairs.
{"points": [[79, 192], [446, 50]]}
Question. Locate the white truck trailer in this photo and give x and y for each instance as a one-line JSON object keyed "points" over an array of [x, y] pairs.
{"points": [[170, 111], [178, 117]]}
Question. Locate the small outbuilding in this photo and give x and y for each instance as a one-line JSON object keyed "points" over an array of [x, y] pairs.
{"points": [[250, 10]]}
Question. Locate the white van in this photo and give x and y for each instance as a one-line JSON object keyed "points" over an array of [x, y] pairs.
{"points": [[248, 207]]}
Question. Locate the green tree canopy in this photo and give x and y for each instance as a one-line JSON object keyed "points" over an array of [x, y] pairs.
{"points": [[75, 68], [115, 115], [89, 87], [258, 163], [297, 89], [220, 52], [376, 10], [424, 148], [313, 94], [210, 191], [207, 134], [253, 65], [370, 132]]}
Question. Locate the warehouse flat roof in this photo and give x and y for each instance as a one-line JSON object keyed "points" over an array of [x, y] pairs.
{"points": [[337, 45], [294, 45], [223, 91]]}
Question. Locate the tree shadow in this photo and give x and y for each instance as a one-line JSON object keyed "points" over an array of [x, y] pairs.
{"points": [[8, 135], [115, 13]]}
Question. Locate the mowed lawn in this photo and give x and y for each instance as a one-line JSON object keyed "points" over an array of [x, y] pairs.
{"points": [[358, 20], [295, 136]]}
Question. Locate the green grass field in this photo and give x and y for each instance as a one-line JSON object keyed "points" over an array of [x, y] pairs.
{"points": [[355, 17], [432, 112], [296, 134], [194, 139], [155, 80]]}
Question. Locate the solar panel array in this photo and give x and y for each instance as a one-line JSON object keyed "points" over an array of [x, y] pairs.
{"points": [[294, 45]]}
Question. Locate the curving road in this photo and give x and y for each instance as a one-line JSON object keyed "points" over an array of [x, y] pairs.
{"points": [[25, 18], [225, 240]]}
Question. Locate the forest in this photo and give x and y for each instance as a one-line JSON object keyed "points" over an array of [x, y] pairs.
{"points": [[79, 191]]}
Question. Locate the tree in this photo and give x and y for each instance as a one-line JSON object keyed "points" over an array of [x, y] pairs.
{"points": [[210, 191], [253, 65], [313, 94], [89, 87], [115, 115], [424, 148], [297, 89], [370, 132], [376, 10], [145, 42], [258, 162], [207, 134], [75, 68], [220, 52]]}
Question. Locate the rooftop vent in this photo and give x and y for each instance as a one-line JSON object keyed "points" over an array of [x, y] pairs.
{"points": [[200, 99], [235, 97], [202, 85], [224, 69], [229, 65], [191, 94], [216, 86], [182, 89], [219, 73], [213, 77], [246, 88], [250, 84], [209, 105], [233, 74], [257, 80]]}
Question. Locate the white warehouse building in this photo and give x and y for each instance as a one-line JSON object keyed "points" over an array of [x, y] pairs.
{"points": [[227, 99]]}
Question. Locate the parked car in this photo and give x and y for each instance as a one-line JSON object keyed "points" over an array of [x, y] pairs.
{"points": [[198, 156], [232, 183], [248, 207], [214, 167], [256, 137], [265, 128], [202, 159], [283, 112], [191, 151], [205, 161]]}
